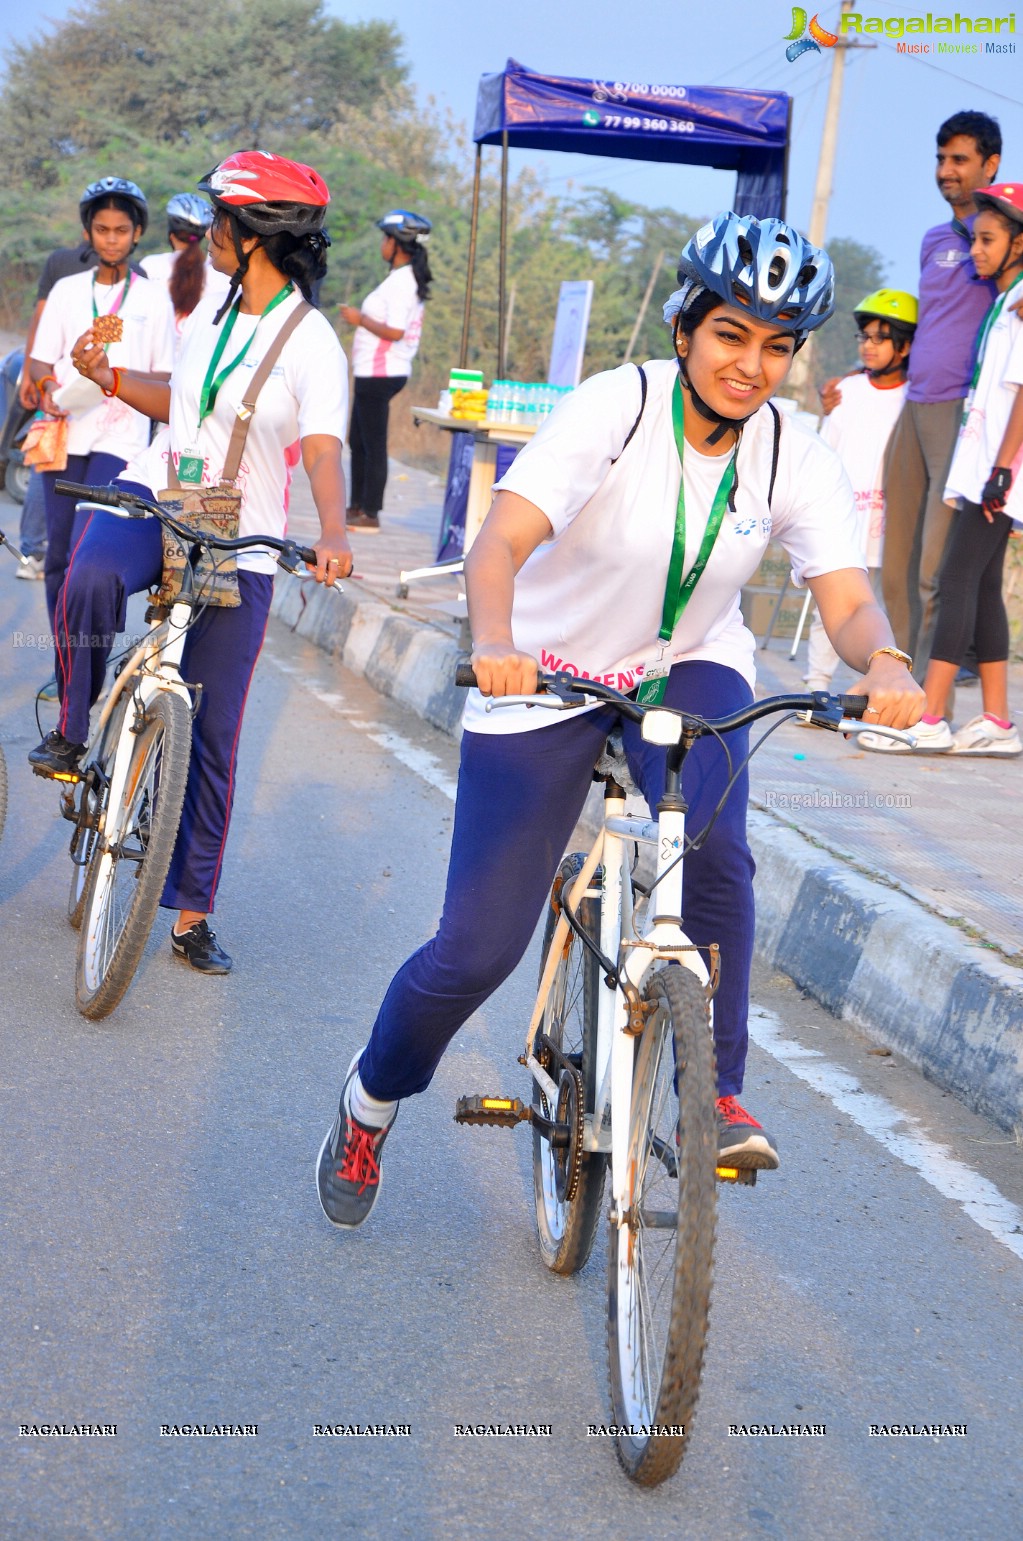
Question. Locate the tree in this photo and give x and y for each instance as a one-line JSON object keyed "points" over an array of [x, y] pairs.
{"points": [[244, 74]]}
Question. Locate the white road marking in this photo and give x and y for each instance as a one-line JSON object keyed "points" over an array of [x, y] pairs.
{"points": [[883, 1121], [419, 761]]}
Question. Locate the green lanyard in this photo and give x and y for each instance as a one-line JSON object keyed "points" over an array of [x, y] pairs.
{"points": [[213, 381], [678, 590], [985, 329]]}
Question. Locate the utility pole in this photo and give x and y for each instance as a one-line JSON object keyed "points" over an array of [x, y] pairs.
{"points": [[799, 375]]}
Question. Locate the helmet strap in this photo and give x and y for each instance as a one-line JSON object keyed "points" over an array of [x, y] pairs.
{"points": [[240, 271], [897, 366], [705, 411]]}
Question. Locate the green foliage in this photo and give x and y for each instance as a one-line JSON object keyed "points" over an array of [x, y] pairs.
{"points": [[858, 271]]}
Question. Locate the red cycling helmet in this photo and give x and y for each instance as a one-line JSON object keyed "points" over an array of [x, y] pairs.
{"points": [[1004, 197], [268, 193]]}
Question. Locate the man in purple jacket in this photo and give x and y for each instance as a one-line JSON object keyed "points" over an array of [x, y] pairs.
{"points": [[953, 302]]}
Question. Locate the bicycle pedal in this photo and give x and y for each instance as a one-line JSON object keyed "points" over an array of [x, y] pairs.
{"points": [[498, 1112], [743, 1176]]}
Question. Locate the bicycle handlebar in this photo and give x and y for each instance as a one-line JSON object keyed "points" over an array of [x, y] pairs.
{"points": [[566, 686], [137, 507]]}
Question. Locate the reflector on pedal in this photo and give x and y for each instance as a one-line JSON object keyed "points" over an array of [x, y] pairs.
{"points": [[498, 1104]]}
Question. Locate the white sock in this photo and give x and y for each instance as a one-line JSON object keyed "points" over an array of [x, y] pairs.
{"points": [[368, 1110]]}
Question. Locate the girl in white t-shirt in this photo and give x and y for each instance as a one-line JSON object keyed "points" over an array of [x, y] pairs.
{"points": [[103, 432], [185, 272], [858, 430], [388, 326], [571, 570], [268, 237], [985, 485]]}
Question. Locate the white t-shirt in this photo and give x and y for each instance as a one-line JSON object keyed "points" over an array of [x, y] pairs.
{"points": [[589, 600], [987, 414], [858, 431], [159, 268], [101, 424], [307, 393], [395, 303]]}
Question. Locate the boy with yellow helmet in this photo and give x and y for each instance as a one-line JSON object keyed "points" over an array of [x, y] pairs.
{"points": [[859, 429]]}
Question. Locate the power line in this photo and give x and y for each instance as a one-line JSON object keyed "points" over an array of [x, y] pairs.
{"points": [[975, 85]]}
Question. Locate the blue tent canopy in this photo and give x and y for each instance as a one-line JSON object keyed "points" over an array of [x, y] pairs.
{"points": [[742, 131]]}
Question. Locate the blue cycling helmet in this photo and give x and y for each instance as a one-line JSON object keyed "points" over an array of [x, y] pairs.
{"points": [[188, 214], [407, 228], [113, 187], [763, 266]]}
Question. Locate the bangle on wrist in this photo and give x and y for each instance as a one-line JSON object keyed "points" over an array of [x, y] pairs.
{"points": [[891, 652], [117, 386], [44, 380]]}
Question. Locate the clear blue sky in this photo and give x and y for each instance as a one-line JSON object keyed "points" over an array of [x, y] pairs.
{"points": [[884, 193]]}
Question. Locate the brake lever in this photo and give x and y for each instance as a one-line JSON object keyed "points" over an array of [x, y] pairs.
{"points": [[855, 726], [548, 700]]}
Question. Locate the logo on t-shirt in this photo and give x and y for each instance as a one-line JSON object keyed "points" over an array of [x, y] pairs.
{"points": [[746, 527], [950, 258]]}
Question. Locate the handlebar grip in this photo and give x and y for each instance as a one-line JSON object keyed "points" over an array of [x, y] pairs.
{"points": [[465, 676], [94, 494], [306, 554], [854, 706]]}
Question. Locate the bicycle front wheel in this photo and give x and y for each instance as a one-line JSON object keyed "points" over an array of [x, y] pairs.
{"points": [[568, 1188], [130, 867], [660, 1259]]}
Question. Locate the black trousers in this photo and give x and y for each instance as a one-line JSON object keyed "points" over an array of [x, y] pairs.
{"points": [[970, 603], [367, 437]]}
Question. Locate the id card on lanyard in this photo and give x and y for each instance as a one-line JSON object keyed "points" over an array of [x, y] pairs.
{"points": [[678, 589]]}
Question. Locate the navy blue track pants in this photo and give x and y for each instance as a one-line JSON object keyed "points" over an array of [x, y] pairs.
{"points": [[93, 471], [110, 559], [519, 797]]}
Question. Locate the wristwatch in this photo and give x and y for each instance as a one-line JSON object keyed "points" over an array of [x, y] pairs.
{"points": [[892, 652]]}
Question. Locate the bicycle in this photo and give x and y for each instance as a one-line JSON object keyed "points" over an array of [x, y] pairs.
{"points": [[126, 798], [620, 1052]]}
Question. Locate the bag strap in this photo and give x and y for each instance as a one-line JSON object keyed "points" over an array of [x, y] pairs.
{"points": [[639, 414], [241, 426]]}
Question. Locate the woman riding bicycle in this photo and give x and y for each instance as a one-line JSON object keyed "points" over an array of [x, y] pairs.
{"points": [[268, 237], [579, 565]]}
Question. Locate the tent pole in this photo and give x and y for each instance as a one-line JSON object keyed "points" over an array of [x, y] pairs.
{"points": [[785, 169], [502, 255], [463, 352]]}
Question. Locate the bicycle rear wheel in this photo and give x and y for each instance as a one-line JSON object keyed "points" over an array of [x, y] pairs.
{"points": [[128, 871], [660, 1261], [566, 1221]]}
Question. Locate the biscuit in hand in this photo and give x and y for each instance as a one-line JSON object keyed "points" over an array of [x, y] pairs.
{"points": [[106, 329]]}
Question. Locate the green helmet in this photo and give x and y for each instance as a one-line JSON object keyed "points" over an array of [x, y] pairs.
{"points": [[892, 304]]}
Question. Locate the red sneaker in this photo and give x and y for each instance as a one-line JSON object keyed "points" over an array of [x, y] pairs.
{"points": [[742, 1142]]}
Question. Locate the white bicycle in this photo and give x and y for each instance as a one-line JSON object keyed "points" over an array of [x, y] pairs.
{"points": [[126, 799], [620, 1050]]}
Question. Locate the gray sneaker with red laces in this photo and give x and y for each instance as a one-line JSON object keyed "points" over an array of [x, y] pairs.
{"points": [[742, 1141], [348, 1166]]}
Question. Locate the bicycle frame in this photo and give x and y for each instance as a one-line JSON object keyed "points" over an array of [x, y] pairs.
{"points": [[662, 939]]}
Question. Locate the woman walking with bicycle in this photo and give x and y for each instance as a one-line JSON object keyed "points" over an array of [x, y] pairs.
{"points": [[267, 236], [616, 548]]}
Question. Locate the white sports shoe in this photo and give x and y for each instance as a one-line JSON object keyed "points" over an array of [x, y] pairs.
{"points": [[982, 736], [931, 738]]}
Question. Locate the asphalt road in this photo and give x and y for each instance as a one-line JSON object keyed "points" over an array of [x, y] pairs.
{"points": [[164, 1260]]}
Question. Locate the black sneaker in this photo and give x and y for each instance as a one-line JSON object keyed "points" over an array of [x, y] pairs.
{"points": [[57, 758], [742, 1142], [348, 1166], [198, 946], [357, 520]]}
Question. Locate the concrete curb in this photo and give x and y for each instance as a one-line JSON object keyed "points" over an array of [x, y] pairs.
{"points": [[871, 954]]}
